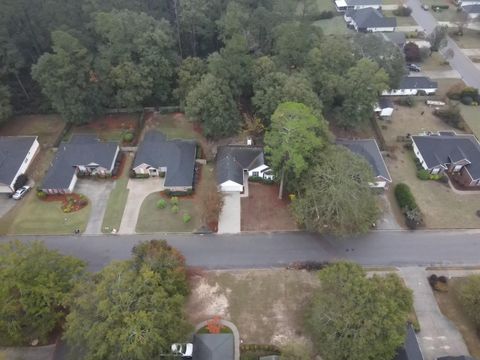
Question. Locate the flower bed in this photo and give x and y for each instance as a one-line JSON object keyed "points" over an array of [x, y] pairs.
{"points": [[69, 203]]}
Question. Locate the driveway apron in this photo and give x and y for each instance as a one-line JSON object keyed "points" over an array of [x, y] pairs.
{"points": [[229, 221]]}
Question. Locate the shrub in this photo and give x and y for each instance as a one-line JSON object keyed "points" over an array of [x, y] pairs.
{"points": [[413, 218], [466, 100], [175, 209], [132, 174], [21, 180], [412, 52], [174, 200], [404, 197], [423, 174], [470, 91], [406, 101], [260, 180], [186, 218], [41, 194], [455, 92], [450, 115], [443, 279], [161, 204], [128, 137], [402, 11], [327, 14]]}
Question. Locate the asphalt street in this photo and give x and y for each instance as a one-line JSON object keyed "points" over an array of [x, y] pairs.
{"points": [[263, 250]]}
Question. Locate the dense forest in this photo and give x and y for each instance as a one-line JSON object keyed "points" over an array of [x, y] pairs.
{"points": [[217, 59]]}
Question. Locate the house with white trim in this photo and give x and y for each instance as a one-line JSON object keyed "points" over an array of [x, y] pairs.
{"points": [[344, 5], [413, 85], [384, 108], [370, 20]]}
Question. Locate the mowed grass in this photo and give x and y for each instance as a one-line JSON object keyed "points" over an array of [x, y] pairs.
{"points": [[117, 200], [469, 40], [334, 26], [471, 115], [401, 20], [34, 216], [449, 14]]}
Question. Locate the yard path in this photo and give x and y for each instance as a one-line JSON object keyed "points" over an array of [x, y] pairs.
{"points": [[230, 217], [138, 190], [438, 336]]}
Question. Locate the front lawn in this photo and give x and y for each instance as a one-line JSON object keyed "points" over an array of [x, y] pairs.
{"points": [[334, 26], [471, 115], [469, 40], [401, 20], [34, 216], [450, 14]]}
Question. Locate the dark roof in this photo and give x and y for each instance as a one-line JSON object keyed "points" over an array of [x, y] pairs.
{"points": [[372, 18], [397, 38], [213, 347], [363, 2], [471, 9], [368, 149], [410, 349], [417, 82], [444, 149], [80, 150], [177, 155], [384, 102], [462, 357], [233, 159], [13, 150]]}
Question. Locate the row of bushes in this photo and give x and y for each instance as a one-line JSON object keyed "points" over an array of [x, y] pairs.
{"points": [[178, 193], [423, 174], [451, 115], [438, 283], [162, 204], [440, 7], [466, 94], [406, 202], [260, 347], [327, 14], [259, 179], [402, 11]]}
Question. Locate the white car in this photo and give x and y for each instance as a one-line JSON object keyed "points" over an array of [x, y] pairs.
{"points": [[185, 350], [20, 193]]}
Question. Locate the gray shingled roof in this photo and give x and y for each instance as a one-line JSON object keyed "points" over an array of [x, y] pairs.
{"points": [[417, 82], [368, 149], [444, 149], [80, 150], [471, 9], [462, 357], [385, 102], [397, 38], [13, 150], [372, 18], [410, 350], [363, 2], [213, 347], [233, 159], [178, 156]]}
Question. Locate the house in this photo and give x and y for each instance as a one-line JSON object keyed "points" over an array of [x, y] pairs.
{"points": [[369, 150], [461, 357], [370, 20], [397, 38], [466, 2], [344, 5], [174, 159], [472, 10], [236, 163], [384, 108], [413, 85], [83, 155], [422, 44], [458, 155], [16, 155], [213, 347], [410, 349]]}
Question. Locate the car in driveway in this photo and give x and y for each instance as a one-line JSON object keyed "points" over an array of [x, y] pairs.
{"points": [[20, 193], [414, 67]]}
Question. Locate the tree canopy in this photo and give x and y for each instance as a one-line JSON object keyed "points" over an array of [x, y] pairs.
{"points": [[34, 288], [5, 106], [468, 294], [354, 317]]}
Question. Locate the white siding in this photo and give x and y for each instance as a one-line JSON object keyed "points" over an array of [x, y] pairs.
{"points": [[231, 186], [26, 162], [258, 170], [72, 183], [407, 92], [419, 155]]}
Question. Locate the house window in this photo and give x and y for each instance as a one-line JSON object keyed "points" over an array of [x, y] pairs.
{"points": [[435, 171], [255, 173], [457, 168]]}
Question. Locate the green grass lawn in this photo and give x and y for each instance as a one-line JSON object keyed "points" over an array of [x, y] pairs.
{"points": [[401, 20], [34, 216], [153, 219], [449, 14], [471, 115], [334, 26], [117, 200], [469, 40], [326, 5]]}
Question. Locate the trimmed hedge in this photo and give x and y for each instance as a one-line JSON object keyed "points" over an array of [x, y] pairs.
{"points": [[404, 197], [260, 180]]}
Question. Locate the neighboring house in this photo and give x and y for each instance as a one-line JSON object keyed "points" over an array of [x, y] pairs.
{"points": [[410, 349], [413, 85], [213, 347], [236, 163], [384, 108], [83, 155], [422, 44], [174, 159], [459, 155], [396, 38], [472, 10], [370, 20], [466, 2], [344, 5], [16, 155], [369, 150], [461, 357]]}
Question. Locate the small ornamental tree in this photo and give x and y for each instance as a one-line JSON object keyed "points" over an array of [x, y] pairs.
{"points": [[214, 325], [412, 52]]}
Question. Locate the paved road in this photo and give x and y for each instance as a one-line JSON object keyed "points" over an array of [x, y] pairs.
{"points": [[467, 69], [383, 248]]}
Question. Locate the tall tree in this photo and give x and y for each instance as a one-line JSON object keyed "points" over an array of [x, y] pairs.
{"points": [[5, 107], [296, 136], [336, 197], [190, 73], [438, 38], [468, 294], [132, 309], [34, 287], [354, 317], [211, 103], [67, 79]]}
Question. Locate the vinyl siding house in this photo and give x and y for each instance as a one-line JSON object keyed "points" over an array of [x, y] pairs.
{"points": [[83, 155], [370, 20], [174, 159], [472, 10], [369, 150], [16, 155], [236, 163], [344, 5], [384, 108], [455, 154], [413, 85]]}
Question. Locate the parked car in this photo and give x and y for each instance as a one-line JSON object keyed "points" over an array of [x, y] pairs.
{"points": [[425, 7], [184, 350], [413, 67], [20, 193]]}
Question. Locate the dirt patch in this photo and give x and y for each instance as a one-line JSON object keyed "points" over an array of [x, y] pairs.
{"points": [[263, 211], [268, 306]]}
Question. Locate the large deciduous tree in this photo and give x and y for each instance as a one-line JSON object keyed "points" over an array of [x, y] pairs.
{"points": [[34, 287], [336, 197], [468, 293], [132, 309], [5, 106], [189, 74], [355, 318]]}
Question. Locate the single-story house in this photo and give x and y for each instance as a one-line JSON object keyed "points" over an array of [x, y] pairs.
{"points": [[457, 154], [369, 150], [174, 159], [370, 20], [344, 5], [213, 347], [410, 349], [472, 10], [413, 85], [83, 155], [236, 163], [384, 108], [16, 155], [397, 38]]}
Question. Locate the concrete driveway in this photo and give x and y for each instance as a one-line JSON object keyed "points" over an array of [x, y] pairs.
{"points": [[138, 190], [438, 336], [98, 192], [229, 221], [442, 74]]}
